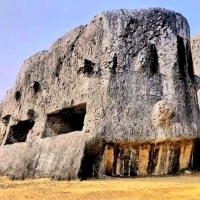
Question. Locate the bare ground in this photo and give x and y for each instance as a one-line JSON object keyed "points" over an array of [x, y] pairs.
{"points": [[162, 188]]}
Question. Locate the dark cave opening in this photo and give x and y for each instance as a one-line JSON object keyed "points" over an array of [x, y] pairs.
{"points": [[66, 120], [93, 155], [87, 166], [195, 162], [17, 95], [87, 69], [19, 132], [36, 87]]}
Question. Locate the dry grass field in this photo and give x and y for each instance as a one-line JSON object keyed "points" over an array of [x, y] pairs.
{"points": [[163, 188]]}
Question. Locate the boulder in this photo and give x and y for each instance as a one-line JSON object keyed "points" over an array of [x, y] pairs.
{"points": [[116, 97]]}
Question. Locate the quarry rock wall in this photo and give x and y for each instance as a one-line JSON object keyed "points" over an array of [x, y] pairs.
{"points": [[195, 47], [115, 97]]}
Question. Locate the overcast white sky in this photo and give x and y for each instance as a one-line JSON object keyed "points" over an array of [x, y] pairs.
{"points": [[29, 26]]}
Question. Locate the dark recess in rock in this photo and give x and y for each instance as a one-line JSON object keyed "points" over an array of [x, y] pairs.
{"points": [[17, 95], [19, 132], [153, 158], [31, 114], [6, 119], [195, 161], [66, 120], [114, 66], [36, 87], [93, 154], [181, 57], [154, 60], [72, 46], [184, 72], [190, 62], [87, 166], [88, 68], [59, 65], [174, 167]]}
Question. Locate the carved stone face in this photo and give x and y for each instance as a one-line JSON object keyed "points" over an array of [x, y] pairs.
{"points": [[157, 72]]}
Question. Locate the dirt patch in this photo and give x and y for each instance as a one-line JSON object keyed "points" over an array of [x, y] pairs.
{"points": [[179, 187]]}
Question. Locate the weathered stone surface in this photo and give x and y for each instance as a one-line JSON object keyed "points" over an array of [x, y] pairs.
{"points": [[49, 157], [195, 47], [1, 109], [1, 127], [114, 97]]}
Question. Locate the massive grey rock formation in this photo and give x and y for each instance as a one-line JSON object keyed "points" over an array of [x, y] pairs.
{"points": [[114, 97], [195, 47]]}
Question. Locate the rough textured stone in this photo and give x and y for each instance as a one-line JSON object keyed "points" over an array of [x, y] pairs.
{"points": [[1, 109], [1, 127], [195, 47], [114, 97]]}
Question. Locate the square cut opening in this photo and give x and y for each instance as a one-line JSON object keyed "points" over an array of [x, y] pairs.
{"points": [[66, 120], [19, 132]]}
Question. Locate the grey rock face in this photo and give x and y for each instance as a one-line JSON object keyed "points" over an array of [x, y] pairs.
{"points": [[195, 46], [114, 97], [1, 109]]}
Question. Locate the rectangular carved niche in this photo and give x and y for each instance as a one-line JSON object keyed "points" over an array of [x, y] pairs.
{"points": [[19, 132], [66, 120]]}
